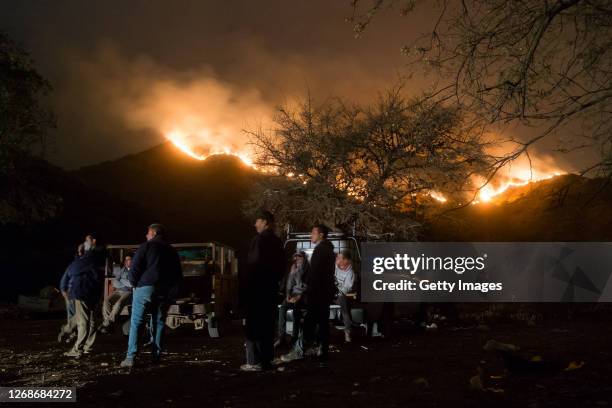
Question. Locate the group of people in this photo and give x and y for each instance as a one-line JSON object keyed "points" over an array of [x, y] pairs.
{"points": [[148, 282], [311, 287]]}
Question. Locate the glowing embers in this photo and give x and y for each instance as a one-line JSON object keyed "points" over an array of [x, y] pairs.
{"points": [[181, 142]]}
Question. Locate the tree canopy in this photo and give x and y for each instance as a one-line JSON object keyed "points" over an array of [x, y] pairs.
{"points": [[24, 123], [546, 64], [371, 168]]}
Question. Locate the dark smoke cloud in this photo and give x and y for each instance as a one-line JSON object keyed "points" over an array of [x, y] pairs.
{"points": [[125, 73], [119, 67]]}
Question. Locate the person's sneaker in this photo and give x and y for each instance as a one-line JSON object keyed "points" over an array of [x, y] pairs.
{"points": [[127, 363], [73, 353], [277, 361], [291, 356], [250, 367], [280, 341], [347, 337]]}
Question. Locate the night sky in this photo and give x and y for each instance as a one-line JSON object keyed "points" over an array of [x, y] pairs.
{"points": [[123, 71]]}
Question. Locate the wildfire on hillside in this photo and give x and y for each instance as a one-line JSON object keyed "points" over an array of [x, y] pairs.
{"points": [[179, 140], [517, 175], [488, 191]]}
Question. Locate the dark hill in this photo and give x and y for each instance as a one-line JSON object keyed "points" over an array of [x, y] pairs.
{"points": [[197, 200], [564, 208], [202, 201], [36, 255]]}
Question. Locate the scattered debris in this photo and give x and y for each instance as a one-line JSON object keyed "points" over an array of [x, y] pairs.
{"points": [[574, 365], [116, 394], [421, 381], [521, 364], [431, 327], [494, 345], [476, 383]]}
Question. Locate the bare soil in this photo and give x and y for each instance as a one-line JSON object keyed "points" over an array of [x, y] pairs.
{"points": [[430, 369]]}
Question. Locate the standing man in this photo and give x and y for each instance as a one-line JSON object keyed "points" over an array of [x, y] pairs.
{"points": [[84, 283], [264, 268], [155, 275], [68, 329], [121, 296], [319, 294]]}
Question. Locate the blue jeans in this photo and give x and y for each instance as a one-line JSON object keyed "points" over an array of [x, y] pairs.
{"points": [[146, 300], [70, 308]]}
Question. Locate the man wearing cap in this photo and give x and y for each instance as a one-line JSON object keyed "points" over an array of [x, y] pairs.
{"points": [[264, 266]]}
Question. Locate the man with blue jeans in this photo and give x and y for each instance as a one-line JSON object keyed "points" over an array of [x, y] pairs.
{"points": [[155, 275]]}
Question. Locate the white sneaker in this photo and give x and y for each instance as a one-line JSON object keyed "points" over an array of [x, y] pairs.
{"points": [[73, 353], [347, 337], [291, 356], [250, 367]]}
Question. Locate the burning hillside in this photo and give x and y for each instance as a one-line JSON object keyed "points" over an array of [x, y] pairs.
{"points": [[561, 208], [201, 146], [181, 141]]}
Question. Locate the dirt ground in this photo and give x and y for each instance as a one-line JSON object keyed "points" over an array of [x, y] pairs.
{"points": [[427, 369]]}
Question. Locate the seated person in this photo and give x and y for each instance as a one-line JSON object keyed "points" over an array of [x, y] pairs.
{"points": [[345, 278], [294, 288], [121, 296]]}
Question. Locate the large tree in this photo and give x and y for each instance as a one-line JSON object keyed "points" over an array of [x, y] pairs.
{"points": [[371, 168], [24, 123], [546, 64]]}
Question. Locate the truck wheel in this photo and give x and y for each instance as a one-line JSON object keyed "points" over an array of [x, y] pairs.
{"points": [[213, 327], [125, 327]]}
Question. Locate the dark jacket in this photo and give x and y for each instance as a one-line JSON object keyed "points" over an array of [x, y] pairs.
{"points": [[265, 265], [156, 263], [84, 279], [320, 282]]}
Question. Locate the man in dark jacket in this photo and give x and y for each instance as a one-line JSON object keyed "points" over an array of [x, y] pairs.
{"points": [[264, 268], [83, 281], [68, 329], [155, 275], [319, 294]]}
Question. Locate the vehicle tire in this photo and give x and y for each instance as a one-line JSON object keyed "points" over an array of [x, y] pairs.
{"points": [[125, 327], [214, 330]]}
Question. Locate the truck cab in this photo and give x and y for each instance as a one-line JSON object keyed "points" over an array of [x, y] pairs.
{"points": [[208, 292], [300, 241]]}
